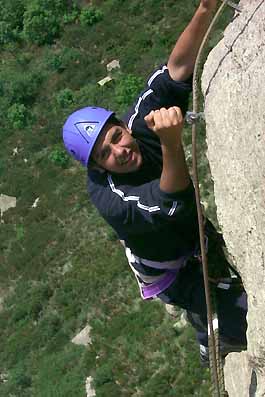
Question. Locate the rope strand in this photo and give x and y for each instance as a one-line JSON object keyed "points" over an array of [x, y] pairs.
{"points": [[216, 365]]}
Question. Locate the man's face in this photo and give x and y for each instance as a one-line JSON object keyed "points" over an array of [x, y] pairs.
{"points": [[116, 150]]}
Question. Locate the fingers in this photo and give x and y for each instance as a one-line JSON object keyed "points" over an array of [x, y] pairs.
{"points": [[173, 116], [178, 113], [167, 124], [149, 119], [164, 118], [158, 119]]}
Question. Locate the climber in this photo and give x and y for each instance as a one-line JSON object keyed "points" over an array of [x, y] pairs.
{"points": [[139, 181]]}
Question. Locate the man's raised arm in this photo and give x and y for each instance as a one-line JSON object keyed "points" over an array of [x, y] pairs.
{"points": [[182, 59], [168, 125]]}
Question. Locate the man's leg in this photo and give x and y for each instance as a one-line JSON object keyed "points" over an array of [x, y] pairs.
{"points": [[188, 292], [232, 311]]}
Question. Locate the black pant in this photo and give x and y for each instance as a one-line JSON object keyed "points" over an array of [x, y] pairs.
{"points": [[187, 291]]}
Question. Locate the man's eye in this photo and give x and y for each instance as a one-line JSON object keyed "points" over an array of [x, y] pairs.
{"points": [[116, 136], [104, 154]]}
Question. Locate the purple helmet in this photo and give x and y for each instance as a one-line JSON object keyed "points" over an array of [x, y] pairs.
{"points": [[81, 130]]}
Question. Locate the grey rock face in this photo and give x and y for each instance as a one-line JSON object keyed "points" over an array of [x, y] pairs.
{"points": [[234, 89]]}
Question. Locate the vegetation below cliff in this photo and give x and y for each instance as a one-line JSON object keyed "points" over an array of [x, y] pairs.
{"points": [[61, 265]]}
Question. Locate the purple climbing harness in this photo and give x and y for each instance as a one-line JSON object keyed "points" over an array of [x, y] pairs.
{"points": [[154, 288]]}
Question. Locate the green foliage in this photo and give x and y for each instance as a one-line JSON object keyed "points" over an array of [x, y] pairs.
{"points": [[65, 97], [55, 62], [73, 15], [42, 20], [60, 60], [2, 167], [32, 299], [11, 17], [21, 87], [17, 115], [61, 374], [20, 232], [103, 375], [59, 157], [42, 28], [126, 89], [20, 379], [6, 33], [12, 13], [23, 60], [91, 15]]}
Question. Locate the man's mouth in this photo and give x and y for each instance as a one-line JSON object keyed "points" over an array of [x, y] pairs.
{"points": [[127, 159]]}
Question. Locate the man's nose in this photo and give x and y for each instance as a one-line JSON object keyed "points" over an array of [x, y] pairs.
{"points": [[117, 150]]}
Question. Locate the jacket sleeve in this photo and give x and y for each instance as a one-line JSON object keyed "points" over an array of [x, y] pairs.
{"points": [[140, 209], [160, 91]]}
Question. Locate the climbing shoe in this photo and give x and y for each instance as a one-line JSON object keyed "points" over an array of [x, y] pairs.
{"points": [[225, 349], [204, 356]]}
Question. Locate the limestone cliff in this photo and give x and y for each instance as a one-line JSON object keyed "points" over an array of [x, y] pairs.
{"points": [[234, 90]]}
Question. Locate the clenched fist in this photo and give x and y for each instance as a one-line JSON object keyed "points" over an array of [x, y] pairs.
{"points": [[167, 124]]}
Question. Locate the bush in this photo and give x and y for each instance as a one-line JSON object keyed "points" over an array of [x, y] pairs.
{"points": [[12, 13], [11, 17], [17, 115], [91, 15], [73, 15], [42, 21], [21, 87], [59, 157], [31, 302], [56, 63], [127, 88], [65, 97], [6, 34], [24, 59], [41, 29], [103, 375], [20, 379], [2, 167], [89, 93], [59, 61]]}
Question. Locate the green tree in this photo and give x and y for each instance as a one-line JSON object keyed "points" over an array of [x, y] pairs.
{"points": [[65, 97], [17, 115], [6, 34], [20, 87], [91, 15], [59, 157], [11, 17], [43, 20]]}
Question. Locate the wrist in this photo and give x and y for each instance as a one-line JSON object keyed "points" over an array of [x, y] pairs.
{"points": [[203, 9], [171, 147]]}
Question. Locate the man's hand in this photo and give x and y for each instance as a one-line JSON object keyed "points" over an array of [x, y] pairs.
{"points": [[167, 124], [209, 4]]}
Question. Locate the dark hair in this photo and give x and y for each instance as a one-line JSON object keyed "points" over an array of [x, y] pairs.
{"points": [[112, 120]]}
